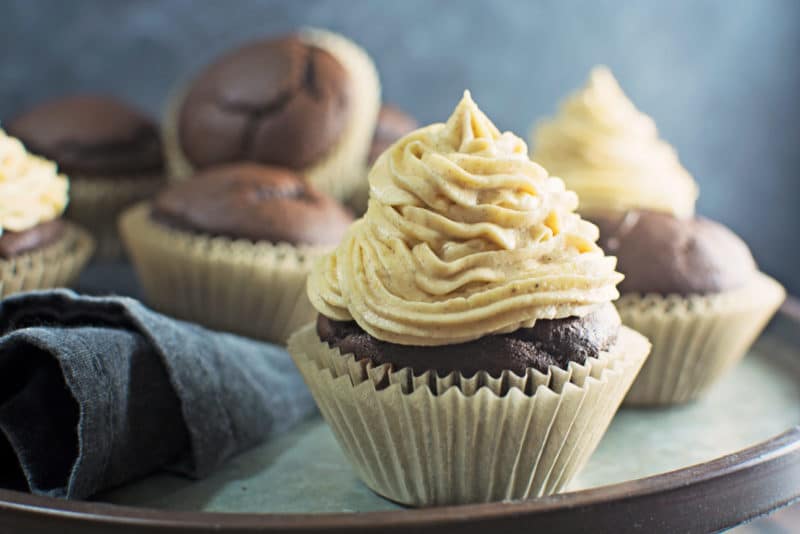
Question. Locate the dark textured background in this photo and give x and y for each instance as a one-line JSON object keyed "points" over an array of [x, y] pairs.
{"points": [[721, 78]]}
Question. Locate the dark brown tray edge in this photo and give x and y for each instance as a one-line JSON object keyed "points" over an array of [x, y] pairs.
{"points": [[698, 498], [642, 505]]}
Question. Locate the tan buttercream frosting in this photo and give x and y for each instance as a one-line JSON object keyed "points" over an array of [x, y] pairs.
{"points": [[464, 236], [609, 153], [31, 190]]}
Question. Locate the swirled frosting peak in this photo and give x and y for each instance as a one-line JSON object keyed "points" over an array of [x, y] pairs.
{"points": [[464, 236], [609, 152], [31, 190]]}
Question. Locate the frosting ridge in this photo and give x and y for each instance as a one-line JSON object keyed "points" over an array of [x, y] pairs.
{"points": [[31, 190], [610, 153], [464, 236]]}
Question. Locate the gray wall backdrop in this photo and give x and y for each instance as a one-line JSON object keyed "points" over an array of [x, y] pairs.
{"points": [[721, 78]]}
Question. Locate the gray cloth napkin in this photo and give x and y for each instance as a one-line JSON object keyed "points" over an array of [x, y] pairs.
{"points": [[96, 391]]}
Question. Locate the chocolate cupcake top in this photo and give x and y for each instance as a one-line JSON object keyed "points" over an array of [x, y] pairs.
{"points": [[464, 237], [280, 101], [13, 244], [91, 135], [662, 254], [255, 202], [549, 342], [609, 153], [393, 123], [31, 189]]}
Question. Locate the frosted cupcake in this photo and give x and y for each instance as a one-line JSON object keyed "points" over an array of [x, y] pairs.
{"points": [[691, 285], [38, 249], [466, 348], [110, 151], [307, 101]]}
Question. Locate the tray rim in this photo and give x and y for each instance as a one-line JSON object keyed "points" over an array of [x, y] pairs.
{"points": [[734, 488]]}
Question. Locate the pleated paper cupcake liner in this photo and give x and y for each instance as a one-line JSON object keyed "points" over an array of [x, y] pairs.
{"points": [[56, 265], [96, 203], [696, 339], [429, 440], [252, 289], [341, 172]]}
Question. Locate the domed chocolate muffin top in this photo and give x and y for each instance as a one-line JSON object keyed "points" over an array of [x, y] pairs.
{"points": [[659, 253], [255, 202], [279, 101], [91, 135]]}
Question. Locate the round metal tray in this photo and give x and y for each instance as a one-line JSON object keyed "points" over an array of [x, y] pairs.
{"points": [[655, 471]]}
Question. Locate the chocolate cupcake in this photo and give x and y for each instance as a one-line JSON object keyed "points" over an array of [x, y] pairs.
{"points": [[691, 285], [306, 101], [231, 248], [38, 249], [466, 324], [393, 123], [110, 151]]}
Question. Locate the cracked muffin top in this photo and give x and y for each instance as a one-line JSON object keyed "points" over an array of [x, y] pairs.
{"points": [[280, 101]]}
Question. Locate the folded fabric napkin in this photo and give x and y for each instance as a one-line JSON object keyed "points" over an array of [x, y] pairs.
{"points": [[96, 391]]}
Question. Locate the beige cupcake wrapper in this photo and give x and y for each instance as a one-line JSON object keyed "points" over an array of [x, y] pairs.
{"points": [[252, 289], [340, 172], [57, 265], [429, 440], [695, 339], [96, 203]]}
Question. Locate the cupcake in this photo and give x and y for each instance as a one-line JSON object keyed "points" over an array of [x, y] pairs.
{"points": [[466, 348], [110, 151], [307, 101], [393, 123], [38, 249], [231, 248], [691, 285]]}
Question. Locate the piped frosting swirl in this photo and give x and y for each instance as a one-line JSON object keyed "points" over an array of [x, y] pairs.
{"points": [[609, 153], [31, 190], [464, 236]]}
